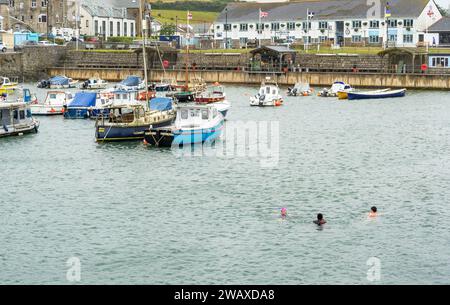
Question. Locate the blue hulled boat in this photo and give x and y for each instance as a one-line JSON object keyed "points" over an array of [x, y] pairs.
{"points": [[82, 106], [193, 125], [376, 94], [130, 122]]}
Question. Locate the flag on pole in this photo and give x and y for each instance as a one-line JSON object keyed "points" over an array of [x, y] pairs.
{"points": [[430, 12], [387, 11], [189, 15], [263, 14]]}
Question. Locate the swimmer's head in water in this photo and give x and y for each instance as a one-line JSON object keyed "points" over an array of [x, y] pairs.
{"points": [[374, 209], [319, 216], [283, 212]]}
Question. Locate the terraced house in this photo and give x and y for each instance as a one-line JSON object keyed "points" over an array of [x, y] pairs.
{"points": [[402, 23]]}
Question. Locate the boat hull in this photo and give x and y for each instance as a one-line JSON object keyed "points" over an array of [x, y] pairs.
{"points": [[106, 133], [84, 113], [273, 103], [378, 95], [168, 137], [45, 110], [33, 128]]}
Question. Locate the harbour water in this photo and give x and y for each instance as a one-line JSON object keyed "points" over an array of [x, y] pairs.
{"points": [[138, 215]]}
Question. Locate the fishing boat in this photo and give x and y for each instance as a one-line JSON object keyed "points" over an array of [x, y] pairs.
{"points": [[84, 105], [58, 82], [54, 103], [213, 94], [16, 119], [268, 96], [376, 94], [131, 83], [193, 125], [130, 122], [94, 84], [7, 86], [335, 88], [300, 89]]}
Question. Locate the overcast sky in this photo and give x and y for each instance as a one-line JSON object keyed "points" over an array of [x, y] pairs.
{"points": [[444, 3]]}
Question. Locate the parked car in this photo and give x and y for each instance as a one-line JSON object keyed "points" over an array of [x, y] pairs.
{"points": [[47, 43], [2, 47]]}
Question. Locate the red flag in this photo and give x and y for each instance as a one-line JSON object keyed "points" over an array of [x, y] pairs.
{"points": [[264, 14]]}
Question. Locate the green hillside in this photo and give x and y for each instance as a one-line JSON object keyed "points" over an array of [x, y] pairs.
{"points": [[170, 16]]}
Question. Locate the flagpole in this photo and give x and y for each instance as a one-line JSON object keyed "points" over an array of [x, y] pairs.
{"points": [[259, 29], [187, 52]]}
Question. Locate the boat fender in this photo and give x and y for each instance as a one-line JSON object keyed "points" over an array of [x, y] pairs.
{"points": [[35, 129], [5, 128]]}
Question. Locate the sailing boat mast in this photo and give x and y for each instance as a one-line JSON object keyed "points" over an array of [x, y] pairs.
{"points": [[144, 51], [187, 50]]}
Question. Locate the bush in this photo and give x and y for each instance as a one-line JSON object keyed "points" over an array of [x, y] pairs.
{"points": [[121, 39]]}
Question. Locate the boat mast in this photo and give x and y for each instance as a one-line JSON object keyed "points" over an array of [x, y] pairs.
{"points": [[144, 52], [187, 50]]}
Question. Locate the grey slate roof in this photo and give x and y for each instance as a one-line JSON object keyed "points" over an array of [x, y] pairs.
{"points": [[324, 10], [4, 2], [442, 25], [106, 8]]}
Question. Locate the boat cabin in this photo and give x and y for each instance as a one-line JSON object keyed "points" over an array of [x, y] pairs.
{"points": [[195, 116], [57, 98], [12, 114], [125, 114], [123, 97], [269, 89]]}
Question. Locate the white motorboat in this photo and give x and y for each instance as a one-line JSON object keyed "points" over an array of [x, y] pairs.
{"points": [[54, 103], [268, 96], [94, 84], [335, 88]]}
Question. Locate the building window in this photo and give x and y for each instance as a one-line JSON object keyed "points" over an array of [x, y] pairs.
{"points": [[393, 38], [356, 24], [392, 23], [356, 38], [408, 23], [323, 25], [275, 26], [96, 27], [87, 23], [243, 27], [291, 26], [374, 24], [306, 25], [42, 18], [227, 27], [306, 39], [408, 38], [132, 29], [243, 41], [118, 28], [440, 62], [125, 29], [111, 28], [374, 39], [323, 38], [33, 4]]}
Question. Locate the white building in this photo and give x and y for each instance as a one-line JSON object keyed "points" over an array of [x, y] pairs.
{"points": [[333, 22], [96, 19]]}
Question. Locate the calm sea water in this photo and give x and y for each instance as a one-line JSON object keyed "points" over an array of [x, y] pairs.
{"points": [[134, 214]]}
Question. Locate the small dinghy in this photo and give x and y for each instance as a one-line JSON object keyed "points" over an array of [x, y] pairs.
{"points": [[376, 94]]}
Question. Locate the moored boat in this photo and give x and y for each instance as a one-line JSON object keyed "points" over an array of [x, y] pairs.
{"points": [[130, 122], [376, 94], [7, 86], [94, 84], [213, 94], [131, 83], [193, 125], [83, 106], [54, 103], [16, 119], [300, 89], [268, 96], [335, 88]]}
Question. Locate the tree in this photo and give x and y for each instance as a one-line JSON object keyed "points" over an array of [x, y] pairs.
{"points": [[168, 30]]}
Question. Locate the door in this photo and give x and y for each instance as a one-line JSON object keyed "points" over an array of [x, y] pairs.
{"points": [[340, 32]]}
